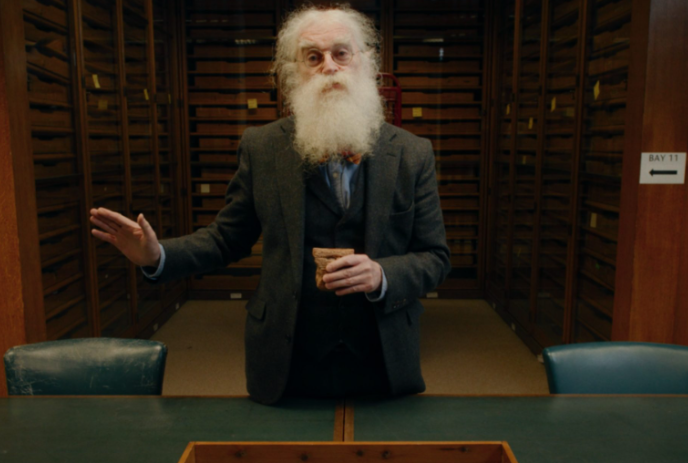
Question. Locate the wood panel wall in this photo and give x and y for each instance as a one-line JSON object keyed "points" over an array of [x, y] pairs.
{"points": [[652, 301]]}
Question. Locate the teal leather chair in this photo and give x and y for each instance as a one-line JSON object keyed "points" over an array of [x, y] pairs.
{"points": [[89, 366], [617, 368]]}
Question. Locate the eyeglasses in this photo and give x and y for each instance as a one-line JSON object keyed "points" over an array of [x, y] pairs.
{"points": [[341, 54]]}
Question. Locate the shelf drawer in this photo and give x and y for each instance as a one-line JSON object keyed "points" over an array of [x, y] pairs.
{"points": [[217, 203], [45, 117], [230, 51], [238, 114], [441, 144], [229, 67], [64, 295], [55, 247], [439, 82], [50, 169], [460, 218], [47, 62], [52, 221], [442, 5], [40, 89], [238, 5], [96, 12], [236, 34], [446, 128], [228, 129], [425, 67], [228, 143], [49, 12], [458, 203], [594, 320], [230, 158], [422, 98], [240, 98], [598, 269], [61, 271], [104, 144], [434, 51], [253, 82], [458, 188], [67, 320], [441, 113], [52, 195], [52, 145], [211, 188], [216, 173], [204, 219], [232, 19], [611, 38], [613, 11]]}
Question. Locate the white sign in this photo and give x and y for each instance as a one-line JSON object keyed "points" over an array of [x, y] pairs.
{"points": [[665, 168]]}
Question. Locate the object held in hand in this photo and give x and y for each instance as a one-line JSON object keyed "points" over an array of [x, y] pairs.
{"points": [[324, 256]]}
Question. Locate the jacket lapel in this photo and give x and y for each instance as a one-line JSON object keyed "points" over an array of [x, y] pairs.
{"points": [[381, 180], [289, 168]]}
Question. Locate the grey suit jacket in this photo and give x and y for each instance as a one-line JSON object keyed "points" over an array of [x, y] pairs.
{"points": [[404, 234]]}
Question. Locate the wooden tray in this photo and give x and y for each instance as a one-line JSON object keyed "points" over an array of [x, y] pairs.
{"points": [[345, 452]]}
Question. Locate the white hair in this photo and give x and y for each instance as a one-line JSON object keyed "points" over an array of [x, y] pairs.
{"points": [[364, 34]]}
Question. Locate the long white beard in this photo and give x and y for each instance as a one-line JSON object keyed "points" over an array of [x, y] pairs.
{"points": [[329, 122]]}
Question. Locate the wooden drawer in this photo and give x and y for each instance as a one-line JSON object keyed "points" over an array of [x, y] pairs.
{"points": [[594, 319], [458, 188], [51, 195], [55, 247], [239, 82], [58, 298], [47, 11], [604, 221], [204, 219], [433, 30], [460, 218], [61, 271], [238, 114], [111, 145], [563, 8], [441, 144], [241, 98], [583, 334], [52, 145], [44, 90], [227, 129], [608, 117], [442, 5], [49, 63], [217, 173], [237, 5], [447, 18], [462, 246], [211, 188], [440, 113], [64, 322], [49, 169], [96, 11], [447, 128], [230, 51], [600, 245], [140, 144], [115, 318], [611, 38], [229, 67], [598, 269], [217, 203], [606, 144], [233, 19], [236, 34], [462, 261], [420, 98], [604, 167], [45, 117], [218, 158], [446, 67], [56, 220], [434, 51], [613, 11], [438, 82], [228, 143], [459, 203], [99, 81]]}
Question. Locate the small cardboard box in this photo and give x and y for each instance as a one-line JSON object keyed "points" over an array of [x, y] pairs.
{"points": [[348, 452]]}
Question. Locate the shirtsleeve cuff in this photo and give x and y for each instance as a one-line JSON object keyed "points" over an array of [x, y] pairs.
{"points": [[374, 296], [160, 266]]}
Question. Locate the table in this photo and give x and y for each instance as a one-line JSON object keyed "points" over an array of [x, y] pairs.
{"points": [[539, 429], [545, 429]]}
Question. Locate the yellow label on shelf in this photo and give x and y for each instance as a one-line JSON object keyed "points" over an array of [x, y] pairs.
{"points": [[96, 82], [417, 112], [554, 104], [508, 109], [252, 103], [530, 123], [145, 93], [102, 105], [205, 188], [596, 90], [524, 160], [169, 98], [570, 112], [593, 220]]}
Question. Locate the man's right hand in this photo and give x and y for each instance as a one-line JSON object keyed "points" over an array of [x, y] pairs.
{"points": [[136, 240]]}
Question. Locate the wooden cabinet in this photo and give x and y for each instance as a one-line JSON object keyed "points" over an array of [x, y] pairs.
{"points": [[97, 94], [564, 150]]}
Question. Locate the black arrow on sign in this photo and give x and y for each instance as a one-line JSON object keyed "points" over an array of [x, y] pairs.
{"points": [[663, 172]]}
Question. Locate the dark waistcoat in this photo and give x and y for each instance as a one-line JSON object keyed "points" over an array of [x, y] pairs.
{"points": [[327, 321]]}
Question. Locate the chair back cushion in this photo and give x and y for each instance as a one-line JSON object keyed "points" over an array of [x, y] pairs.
{"points": [[617, 368], [91, 366]]}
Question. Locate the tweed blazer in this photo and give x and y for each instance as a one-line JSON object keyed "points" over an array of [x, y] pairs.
{"points": [[404, 233]]}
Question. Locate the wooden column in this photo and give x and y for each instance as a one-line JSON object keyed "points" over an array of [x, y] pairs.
{"points": [[20, 306], [652, 271]]}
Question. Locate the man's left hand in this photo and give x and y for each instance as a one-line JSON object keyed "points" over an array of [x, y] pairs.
{"points": [[355, 273]]}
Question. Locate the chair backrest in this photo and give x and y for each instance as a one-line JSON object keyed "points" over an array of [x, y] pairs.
{"points": [[90, 366], [617, 368]]}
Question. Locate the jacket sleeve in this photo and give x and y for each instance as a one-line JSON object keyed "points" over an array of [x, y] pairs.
{"points": [[426, 263], [229, 238]]}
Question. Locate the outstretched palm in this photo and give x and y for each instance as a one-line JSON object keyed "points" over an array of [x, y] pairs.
{"points": [[136, 240]]}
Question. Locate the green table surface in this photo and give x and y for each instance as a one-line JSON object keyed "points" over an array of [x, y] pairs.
{"points": [[538, 429], [148, 429]]}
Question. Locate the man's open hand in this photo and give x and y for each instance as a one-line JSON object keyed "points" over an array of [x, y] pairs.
{"points": [[355, 273], [136, 240]]}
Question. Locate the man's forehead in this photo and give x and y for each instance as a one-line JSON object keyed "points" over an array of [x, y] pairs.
{"points": [[323, 36]]}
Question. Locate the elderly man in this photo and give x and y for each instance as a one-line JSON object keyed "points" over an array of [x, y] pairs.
{"points": [[333, 175]]}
